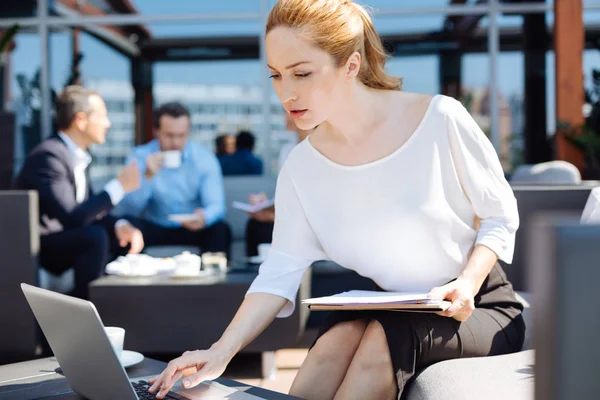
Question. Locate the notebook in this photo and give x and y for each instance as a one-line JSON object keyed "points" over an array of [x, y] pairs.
{"points": [[373, 300]]}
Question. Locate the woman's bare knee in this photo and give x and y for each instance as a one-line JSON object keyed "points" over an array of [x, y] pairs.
{"points": [[341, 340], [371, 368], [373, 351], [331, 356]]}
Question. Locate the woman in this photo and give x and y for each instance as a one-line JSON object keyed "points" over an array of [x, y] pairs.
{"points": [[402, 188]]}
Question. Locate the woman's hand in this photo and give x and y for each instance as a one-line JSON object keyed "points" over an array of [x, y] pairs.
{"points": [[461, 292], [257, 311], [194, 366]]}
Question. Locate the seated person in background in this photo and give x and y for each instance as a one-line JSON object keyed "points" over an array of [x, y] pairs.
{"points": [[243, 161], [259, 228], [75, 230], [225, 145], [178, 177]]}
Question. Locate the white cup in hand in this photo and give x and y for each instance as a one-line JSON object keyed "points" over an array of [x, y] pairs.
{"points": [[116, 336], [172, 159]]}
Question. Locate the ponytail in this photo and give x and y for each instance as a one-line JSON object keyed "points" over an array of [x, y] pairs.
{"points": [[372, 70]]}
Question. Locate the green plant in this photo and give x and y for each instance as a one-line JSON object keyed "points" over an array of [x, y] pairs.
{"points": [[517, 153], [29, 89], [586, 137]]}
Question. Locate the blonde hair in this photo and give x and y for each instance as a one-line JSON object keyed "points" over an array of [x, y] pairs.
{"points": [[339, 27]]}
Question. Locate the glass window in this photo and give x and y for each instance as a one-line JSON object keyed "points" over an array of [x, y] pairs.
{"points": [[109, 73], [161, 7], [20, 127]]}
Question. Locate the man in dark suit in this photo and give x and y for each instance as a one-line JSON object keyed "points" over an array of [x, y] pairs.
{"points": [[76, 230]]}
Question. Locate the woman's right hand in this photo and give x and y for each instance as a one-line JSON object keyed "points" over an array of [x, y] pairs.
{"points": [[257, 311], [194, 366]]}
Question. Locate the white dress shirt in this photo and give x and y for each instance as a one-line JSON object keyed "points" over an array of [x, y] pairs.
{"points": [[285, 151], [81, 160], [407, 221]]}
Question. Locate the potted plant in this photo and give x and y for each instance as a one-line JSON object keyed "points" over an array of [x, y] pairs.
{"points": [[30, 97], [586, 137]]}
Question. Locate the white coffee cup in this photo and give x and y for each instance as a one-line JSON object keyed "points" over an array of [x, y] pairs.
{"points": [[187, 264], [116, 336], [171, 159], [263, 250]]}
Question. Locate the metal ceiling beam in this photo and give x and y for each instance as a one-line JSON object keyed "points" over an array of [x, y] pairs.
{"points": [[462, 26], [109, 36], [127, 7], [465, 26], [425, 43], [521, 8]]}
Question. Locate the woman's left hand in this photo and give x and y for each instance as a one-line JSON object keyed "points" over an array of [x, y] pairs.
{"points": [[461, 292]]}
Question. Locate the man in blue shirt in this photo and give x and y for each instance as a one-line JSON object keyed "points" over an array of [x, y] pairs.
{"points": [[178, 177], [243, 161]]}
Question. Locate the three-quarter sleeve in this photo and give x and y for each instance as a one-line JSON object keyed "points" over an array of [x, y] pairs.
{"points": [[482, 178], [294, 248]]}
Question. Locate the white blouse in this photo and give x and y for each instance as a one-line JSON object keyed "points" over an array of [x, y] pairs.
{"points": [[406, 221]]}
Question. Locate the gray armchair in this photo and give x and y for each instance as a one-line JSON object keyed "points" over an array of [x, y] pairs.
{"points": [[508, 376], [19, 247], [237, 188]]}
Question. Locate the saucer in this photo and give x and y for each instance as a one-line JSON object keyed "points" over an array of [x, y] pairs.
{"points": [[137, 274], [199, 274], [256, 260], [130, 358], [184, 276]]}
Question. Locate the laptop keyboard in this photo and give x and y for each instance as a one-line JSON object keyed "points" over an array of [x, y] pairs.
{"points": [[141, 389]]}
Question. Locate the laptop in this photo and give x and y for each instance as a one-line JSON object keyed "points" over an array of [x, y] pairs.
{"points": [[77, 338]]}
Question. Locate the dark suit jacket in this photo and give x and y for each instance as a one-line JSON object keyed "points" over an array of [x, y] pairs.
{"points": [[242, 162], [48, 169]]}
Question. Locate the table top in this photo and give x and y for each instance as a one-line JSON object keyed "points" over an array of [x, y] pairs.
{"points": [[243, 275], [41, 379]]}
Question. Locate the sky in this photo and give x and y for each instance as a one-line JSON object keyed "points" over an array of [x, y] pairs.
{"points": [[420, 73]]}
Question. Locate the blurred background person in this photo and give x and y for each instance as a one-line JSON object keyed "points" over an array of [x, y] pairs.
{"points": [[224, 145], [75, 230], [243, 161], [179, 177]]}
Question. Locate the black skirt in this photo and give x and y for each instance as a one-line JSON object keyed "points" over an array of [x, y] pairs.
{"points": [[417, 340]]}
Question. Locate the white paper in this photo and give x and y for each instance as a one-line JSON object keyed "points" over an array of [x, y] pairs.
{"points": [[372, 297], [184, 217], [252, 208]]}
